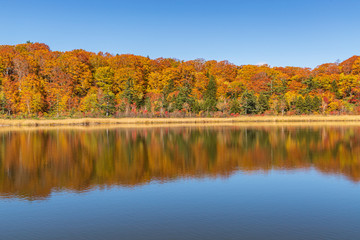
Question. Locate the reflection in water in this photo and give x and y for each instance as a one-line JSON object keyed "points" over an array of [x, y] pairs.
{"points": [[33, 163]]}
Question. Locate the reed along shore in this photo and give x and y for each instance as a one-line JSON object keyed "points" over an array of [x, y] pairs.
{"points": [[121, 121]]}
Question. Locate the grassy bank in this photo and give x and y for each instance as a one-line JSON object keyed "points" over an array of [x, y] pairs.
{"points": [[122, 121]]}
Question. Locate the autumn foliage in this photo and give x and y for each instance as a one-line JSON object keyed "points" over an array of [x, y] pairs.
{"points": [[36, 82]]}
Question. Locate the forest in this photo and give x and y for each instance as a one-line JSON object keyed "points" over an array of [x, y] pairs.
{"points": [[36, 82]]}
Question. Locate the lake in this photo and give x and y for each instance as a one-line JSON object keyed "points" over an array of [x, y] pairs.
{"points": [[191, 182]]}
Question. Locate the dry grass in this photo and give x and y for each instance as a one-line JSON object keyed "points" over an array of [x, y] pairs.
{"points": [[249, 125], [136, 121]]}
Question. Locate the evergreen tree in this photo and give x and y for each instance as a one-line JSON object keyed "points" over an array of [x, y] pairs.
{"points": [[281, 105], [300, 105], [169, 88], [235, 106], [210, 95], [196, 106], [249, 103], [310, 85], [148, 104], [2, 102], [308, 104], [278, 89], [107, 103], [263, 103], [335, 89], [129, 93], [184, 96], [316, 104]]}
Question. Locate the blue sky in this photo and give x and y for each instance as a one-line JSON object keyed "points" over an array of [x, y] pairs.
{"points": [[280, 33]]}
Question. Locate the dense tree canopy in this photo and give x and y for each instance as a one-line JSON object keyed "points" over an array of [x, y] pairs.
{"points": [[35, 81]]}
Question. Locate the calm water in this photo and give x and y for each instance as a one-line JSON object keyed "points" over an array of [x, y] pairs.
{"points": [[180, 183]]}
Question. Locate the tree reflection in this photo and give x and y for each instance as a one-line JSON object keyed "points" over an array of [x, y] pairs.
{"points": [[33, 163]]}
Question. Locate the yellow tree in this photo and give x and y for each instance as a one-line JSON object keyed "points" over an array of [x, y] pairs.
{"points": [[32, 99], [78, 73]]}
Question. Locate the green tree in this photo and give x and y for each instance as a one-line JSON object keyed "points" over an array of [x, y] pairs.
{"points": [[197, 106], [316, 104], [107, 103], [169, 88], [249, 103], [300, 105], [263, 103], [148, 104], [2, 101], [184, 97], [210, 95], [308, 104], [310, 85], [129, 92], [235, 106], [335, 89]]}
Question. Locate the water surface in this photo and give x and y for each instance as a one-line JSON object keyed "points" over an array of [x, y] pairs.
{"points": [[219, 182]]}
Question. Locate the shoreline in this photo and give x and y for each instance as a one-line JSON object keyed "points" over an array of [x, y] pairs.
{"points": [[197, 121]]}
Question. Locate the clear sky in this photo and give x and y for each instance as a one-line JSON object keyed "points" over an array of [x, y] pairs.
{"points": [[281, 33]]}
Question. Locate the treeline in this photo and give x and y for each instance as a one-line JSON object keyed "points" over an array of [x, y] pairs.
{"points": [[36, 82]]}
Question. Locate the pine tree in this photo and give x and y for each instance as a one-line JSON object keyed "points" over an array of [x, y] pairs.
{"points": [[300, 105], [107, 103], [249, 103], [2, 102], [316, 104], [184, 97], [263, 103], [335, 89], [169, 88], [129, 93], [308, 104], [148, 104], [210, 95], [310, 85], [197, 106], [235, 106]]}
